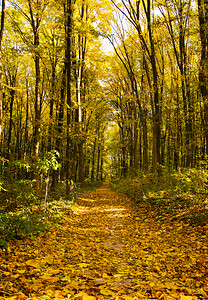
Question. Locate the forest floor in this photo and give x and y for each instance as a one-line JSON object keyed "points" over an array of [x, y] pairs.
{"points": [[108, 248]]}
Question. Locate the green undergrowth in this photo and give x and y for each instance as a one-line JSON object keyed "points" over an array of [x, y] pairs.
{"points": [[91, 186], [171, 196], [24, 211]]}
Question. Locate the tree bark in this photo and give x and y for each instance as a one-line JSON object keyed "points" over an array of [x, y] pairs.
{"points": [[50, 129], [68, 57], [1, 38], [203, 77], [35, 23], [26, 121], [93, 161]]}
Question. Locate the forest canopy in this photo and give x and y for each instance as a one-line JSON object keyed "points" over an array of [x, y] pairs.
{"points": [[140, 107]]}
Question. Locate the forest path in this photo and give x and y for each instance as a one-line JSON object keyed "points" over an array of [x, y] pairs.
{"points": [[106, 249]]}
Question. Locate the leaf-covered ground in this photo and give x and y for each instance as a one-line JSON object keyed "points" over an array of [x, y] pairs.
{"points": [[108, 248]]}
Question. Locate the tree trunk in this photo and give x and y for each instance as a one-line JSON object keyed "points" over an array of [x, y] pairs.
{"points": [[145, 142], [98, 164], [59, 128], [35, 23], [93, 161], [203, 77], [68, 16], [1, 38], [81, 165], [50, 129], [37, 106], [26, 122], [12, 93]]}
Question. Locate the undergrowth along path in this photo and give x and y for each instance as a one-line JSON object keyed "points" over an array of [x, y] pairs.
{"points": [[108, 248]]}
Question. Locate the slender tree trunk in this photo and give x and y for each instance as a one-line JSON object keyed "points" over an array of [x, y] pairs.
{"points": [[50, 129], [101, 165], [145, 143], [98, 164], [59, 129], [1, 38], [93, 161], [82, 41], [26, 121], [37, 107], [68, 16], [81, 165], [203, 77], [135, 140], [35, 22], [12, 93], [123, 147], [157, 114]]}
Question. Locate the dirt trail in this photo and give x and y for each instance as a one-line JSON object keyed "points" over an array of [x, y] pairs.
{"points": [[106, 249]]}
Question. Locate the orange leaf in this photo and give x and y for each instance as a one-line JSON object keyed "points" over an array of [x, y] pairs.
{"points": [[58, 294]]}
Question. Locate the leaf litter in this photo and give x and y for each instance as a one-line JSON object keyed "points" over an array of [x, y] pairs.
{"points": [[108, 248]]}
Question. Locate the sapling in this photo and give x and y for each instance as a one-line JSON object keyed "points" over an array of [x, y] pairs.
{"points": [[46, 165]]}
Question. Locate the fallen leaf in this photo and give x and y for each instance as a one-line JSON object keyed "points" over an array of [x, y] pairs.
{"points": [[33, 263], [182, 297], [83, 265]]}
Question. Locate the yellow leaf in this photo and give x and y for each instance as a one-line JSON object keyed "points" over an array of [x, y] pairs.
{"points": [[54, 279], [171, 286], [50, 293], [84, 296], [20, 295], [83, 265], [183, 297], [6, 273], [105, 292], [158, 268], [66, 278], [140, 295], [46, 276], [54, 271], [73, 283], [117, 275], [87, 297], [33, 263], [21, 271]]}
